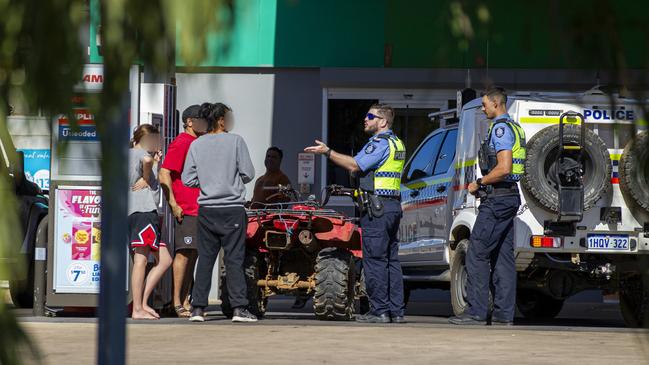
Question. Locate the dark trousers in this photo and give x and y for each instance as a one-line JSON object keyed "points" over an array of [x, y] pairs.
{"points": [[221, 228], [490, 258], [383, 276]]}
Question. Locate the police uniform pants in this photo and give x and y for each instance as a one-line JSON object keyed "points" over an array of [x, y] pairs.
{"points": [[382, 269], [490, 258]]}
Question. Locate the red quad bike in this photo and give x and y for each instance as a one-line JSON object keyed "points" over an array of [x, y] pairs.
{"points": [[301, 248]]}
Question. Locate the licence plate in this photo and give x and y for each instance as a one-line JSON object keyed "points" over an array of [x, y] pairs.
{"points": [[606, 242]]}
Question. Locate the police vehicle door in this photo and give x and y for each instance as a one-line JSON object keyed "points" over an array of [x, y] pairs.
{"points": [[424, 192]]}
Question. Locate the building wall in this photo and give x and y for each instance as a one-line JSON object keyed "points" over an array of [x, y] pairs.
{"points": [[280, 108], [426, 34], [249, 95]]}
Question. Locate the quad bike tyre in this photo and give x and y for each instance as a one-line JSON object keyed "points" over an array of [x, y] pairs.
{"points": [[253, 266], [540, 174], [335, 277], [634, 171]]}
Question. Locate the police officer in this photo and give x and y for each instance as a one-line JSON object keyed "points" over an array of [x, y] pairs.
{"points": [[490, 256], [379, 165]]}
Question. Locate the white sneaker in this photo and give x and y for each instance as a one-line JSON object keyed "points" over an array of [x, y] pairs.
{"points": [[243, 315], [198, 315]]}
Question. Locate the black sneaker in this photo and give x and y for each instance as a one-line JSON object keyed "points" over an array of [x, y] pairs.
{"points": [[371, 318], [467, 320], [243, 315], [495, 321], [198, 315]]}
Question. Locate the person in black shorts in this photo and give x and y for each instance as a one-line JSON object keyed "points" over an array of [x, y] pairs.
{"points": [[183, 202], [144, 221]]}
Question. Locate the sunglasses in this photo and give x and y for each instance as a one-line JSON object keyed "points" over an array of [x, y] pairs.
{"points": [[371, 116]]}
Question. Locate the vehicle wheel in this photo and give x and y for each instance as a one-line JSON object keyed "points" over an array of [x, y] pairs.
{"points": [[335, 284], [459, 278], [22, 291], [535, 305], [634, 170], [253, 265], [634, 301], [541, 163]]}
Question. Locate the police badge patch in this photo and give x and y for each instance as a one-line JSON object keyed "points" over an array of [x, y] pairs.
{"points": [[188, 240], [500, 131], [370, 148]]}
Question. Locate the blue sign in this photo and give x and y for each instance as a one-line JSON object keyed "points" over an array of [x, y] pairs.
{"points": [[83, 133], [37, 167]]}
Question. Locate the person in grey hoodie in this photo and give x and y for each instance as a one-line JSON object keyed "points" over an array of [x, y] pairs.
{"points": [[219, 164]]}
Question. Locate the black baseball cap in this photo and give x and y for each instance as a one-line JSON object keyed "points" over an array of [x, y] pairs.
{"points": [[191, 112]]}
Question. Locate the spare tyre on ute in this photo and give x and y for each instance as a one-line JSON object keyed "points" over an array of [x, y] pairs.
{"points": [[541, 164], [634, 171]]}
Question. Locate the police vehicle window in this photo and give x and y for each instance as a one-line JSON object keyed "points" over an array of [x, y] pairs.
{"points": [[420, 165], [482, 124], [446, 153]]}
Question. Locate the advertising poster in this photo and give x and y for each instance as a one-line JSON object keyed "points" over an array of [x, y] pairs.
{"points": [[37, 167], [77, 238]]}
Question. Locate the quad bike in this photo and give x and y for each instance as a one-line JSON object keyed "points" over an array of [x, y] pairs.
{"points": [[301, 248]]}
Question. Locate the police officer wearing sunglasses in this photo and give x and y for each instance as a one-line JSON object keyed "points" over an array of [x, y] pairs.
{"points": [[379, 165]]}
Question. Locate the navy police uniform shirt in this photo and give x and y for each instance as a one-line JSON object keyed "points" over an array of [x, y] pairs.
{"points": [[375, 152], [502, 136]]}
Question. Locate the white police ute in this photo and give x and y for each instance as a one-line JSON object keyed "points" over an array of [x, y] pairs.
{"points": [[584, 218]]}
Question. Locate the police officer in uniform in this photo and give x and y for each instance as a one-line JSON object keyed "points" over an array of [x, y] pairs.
{"points": [[379, 164], [490, 256]]}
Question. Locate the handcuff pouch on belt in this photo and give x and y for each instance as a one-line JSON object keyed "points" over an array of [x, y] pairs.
{"points": [[370, 203]]}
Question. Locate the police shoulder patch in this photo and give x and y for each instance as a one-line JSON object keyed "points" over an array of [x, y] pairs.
{"points": [[370, 148], [500, 131]]}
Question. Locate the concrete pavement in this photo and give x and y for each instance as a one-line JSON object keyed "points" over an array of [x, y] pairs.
{"points": [[586, 332], [219, 341]]}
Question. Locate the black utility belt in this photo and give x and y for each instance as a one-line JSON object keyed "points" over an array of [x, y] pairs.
{"points": [[373, 204], [389, 197], [494, 191], [505, 185]]}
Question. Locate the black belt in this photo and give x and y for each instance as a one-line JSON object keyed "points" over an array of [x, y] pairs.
{"points": [[505, 185], [390, 197], [503, 189]]}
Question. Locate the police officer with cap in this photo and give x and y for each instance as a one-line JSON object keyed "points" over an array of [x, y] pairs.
{"points": [[379, 164], [490, 256]]}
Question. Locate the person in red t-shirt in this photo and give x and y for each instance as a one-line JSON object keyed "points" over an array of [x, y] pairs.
{"points": [[184, 206]]}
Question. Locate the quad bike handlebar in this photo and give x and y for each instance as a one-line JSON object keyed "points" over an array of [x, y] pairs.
{"points": [[285, 190], [337, 190], [296, 197]]}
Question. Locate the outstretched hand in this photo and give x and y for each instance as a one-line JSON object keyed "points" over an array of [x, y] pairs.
{"points": [[320, 148]]}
